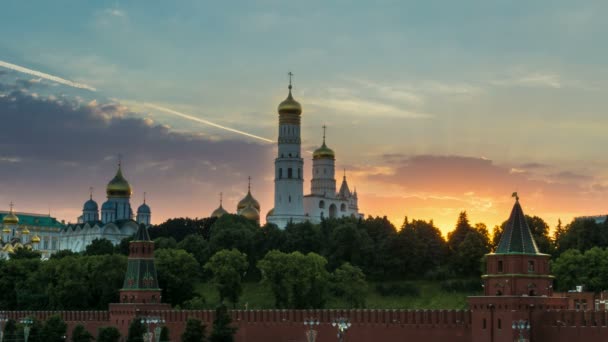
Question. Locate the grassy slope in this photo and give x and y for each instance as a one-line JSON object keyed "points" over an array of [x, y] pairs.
{"points": [[257, 296]]}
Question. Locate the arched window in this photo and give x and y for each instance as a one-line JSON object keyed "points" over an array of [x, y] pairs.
{"points": [[343, 207], [299, 173], [321, 204], [289, 173], [531, 266], [289, 198], [280, 173], [332, 211], [499, 266]]}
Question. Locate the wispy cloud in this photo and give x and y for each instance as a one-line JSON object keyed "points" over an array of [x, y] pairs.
{"points": [[535, 79], [46, 76], [358, 106]]}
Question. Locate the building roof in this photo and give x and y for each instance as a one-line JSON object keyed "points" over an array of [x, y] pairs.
{"points": [[517, 238], [142, 234], [35, 220]]}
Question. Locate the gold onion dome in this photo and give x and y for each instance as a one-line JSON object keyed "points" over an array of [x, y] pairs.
{"points": [[290, 106], [10, 218], [219, 212], [6, 230], [119, 186], [36, 239], [25, 231], [251, 213], [248, 200], [324, 152]]}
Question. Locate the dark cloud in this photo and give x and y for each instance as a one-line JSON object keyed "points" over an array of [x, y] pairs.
{"points": [[531, 166], [52, 149]]}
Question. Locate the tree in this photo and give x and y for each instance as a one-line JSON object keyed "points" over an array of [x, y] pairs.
{"points": [[164, 334], [99, 247], [24, 253], [165, 243], [10, 330], [467, 259], [108, 334], [296, 280], [228, 268], [179, 228], [303, 237], [80, 334], [222, 330], [178, 271], [62, 254], [196, 245], [54, 329], [232, 231], [349, 282], [349, 243], [574, 268], [457, 236], [194, 332], [136, 331]]}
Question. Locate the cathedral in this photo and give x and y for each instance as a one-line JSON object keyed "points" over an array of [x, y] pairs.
{"points": [[45, 234], [115, 222], [290, 203]]}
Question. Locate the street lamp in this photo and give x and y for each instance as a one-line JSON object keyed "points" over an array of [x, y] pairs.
{"points": [[311, 333], [149, 321], [521, 326], [2, 321], [342, 324], [27, 325]]}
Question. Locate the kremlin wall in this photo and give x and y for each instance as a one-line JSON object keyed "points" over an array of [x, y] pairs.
{"points": [[517, 288]]}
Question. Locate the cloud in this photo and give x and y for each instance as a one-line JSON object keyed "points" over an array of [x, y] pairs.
{"points": [[535, 79], [363, 107], [56, 148]]}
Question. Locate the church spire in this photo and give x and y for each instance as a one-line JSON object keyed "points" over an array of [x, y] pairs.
{"points": [[517, 237]]}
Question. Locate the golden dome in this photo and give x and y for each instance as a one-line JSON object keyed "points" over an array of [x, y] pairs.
{"points": [[323, 152], [290, 106], [251, 213], [248, 201], [8, 248], [6, 230], [25, 231], [36, 239], [119, 186], [10, 218], [219, 212]]}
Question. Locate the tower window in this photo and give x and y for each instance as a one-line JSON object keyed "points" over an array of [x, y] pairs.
{"points": [[280, 173], [321, 204], [290, 155], [289, 198], [484, 323], [499, 323], [499, 266], [531, 266], [343, 207], [299, 173], [289, 173]]}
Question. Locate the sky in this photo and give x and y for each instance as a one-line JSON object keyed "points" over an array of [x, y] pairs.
{"points": [[432, 107]]}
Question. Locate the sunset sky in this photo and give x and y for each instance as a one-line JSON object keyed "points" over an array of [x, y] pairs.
{"points": [[432, 107]]}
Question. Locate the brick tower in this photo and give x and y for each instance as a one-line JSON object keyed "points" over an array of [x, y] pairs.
{"points": [[141, 285], [517, 286]]}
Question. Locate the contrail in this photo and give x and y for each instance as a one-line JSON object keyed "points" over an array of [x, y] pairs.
{"points": [[46, 76], [206, 122]]}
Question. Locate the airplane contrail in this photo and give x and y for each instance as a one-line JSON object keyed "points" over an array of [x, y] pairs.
{"points": [[56, 79], [206, 122]]}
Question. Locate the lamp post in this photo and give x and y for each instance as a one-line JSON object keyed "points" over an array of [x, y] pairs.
{"points": [[521, 326], [311, 333], [149, 321], [342, 324], [2, 321], [27, 325]]}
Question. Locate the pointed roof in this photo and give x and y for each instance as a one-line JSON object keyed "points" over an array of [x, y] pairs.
{"points": [[517, 238], [142, 234], [344, 190]]}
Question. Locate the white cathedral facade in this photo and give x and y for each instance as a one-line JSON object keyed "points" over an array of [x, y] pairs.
{"points": [[290, 203], [115, 222]]}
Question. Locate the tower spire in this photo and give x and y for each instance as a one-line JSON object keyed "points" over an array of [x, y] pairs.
{"points": [[249, 185], [144, 197], [91, 192], [119, 160], [11, 205], [290, 74], [221, 199], [324, 129]]}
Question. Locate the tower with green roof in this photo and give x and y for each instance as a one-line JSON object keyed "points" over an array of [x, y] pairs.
{"points": [[517, 267]]}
